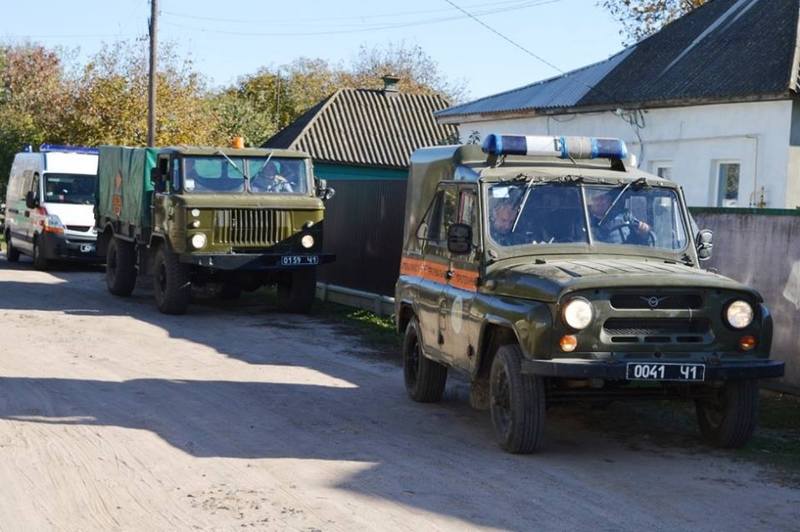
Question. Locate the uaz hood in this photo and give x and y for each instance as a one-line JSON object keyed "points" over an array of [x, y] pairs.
{"points": [[547, 280]]}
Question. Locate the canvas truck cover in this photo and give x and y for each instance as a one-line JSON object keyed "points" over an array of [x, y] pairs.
{"points": [[124, 189]]}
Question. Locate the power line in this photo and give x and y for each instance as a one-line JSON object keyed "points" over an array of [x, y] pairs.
{"points": [[508, 39], [492, 5], [374, 27]]}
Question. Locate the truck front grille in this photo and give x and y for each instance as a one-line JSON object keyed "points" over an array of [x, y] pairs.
{"points": [[657, 330], [650, 301], [252, 228]]}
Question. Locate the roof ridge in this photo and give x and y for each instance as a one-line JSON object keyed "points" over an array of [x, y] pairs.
{"points": [[316, 114]]}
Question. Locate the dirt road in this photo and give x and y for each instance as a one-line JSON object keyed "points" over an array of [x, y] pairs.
{"points": [[113, 416]]}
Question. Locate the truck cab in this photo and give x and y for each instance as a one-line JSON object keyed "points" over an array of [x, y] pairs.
{"points": [[235, 218], [548, 270]]}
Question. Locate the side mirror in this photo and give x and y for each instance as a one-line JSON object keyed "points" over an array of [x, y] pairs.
{"points": [[324, 191], [705, 245], [459, 239], [30, 200]]}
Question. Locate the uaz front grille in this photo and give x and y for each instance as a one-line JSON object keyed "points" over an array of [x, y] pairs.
{"points": [[657, 330], [653, 301], [251, 227]]}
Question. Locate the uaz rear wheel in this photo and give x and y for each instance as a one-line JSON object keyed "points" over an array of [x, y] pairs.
{"points": [[425, 379]]}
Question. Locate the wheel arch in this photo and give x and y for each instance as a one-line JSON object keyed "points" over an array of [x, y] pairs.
{"points": [[495, 331]]}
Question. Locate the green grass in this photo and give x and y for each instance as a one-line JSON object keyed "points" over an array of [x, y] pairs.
{"points": [[378, 331]]}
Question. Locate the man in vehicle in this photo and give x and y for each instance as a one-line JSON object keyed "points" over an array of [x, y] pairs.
{"points": [[504, 214], [269, 179], [615, 227]]}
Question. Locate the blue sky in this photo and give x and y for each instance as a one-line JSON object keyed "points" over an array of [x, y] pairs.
{"points": [[235, 37]]}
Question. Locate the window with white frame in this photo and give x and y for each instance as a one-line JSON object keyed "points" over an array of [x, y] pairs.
{"points": [[662, 169], [728, 176]]}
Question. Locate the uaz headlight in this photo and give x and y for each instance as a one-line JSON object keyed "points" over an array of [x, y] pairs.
{"points": [[199, 241], [739, 314], [578, 313]]}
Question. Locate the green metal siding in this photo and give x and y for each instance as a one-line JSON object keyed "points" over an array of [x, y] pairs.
{"points": [[335, 172]]}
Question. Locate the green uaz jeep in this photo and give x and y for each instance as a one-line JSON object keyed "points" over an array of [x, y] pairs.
{"points": [[548, 271]]}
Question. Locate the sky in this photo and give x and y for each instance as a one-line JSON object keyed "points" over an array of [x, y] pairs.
{"points": [[227, 39]]}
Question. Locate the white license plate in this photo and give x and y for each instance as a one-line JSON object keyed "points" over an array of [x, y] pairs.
{"points": [[665, 371], [299, 260], [87, 248]]}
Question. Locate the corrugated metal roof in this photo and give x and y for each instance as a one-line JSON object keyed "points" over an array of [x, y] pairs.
{"points": [[562, 91], [366, 127], [722, 51]]}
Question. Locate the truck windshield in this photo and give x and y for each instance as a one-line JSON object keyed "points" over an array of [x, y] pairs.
{"points": [[77, 189], [524, 213], [265, 175]]}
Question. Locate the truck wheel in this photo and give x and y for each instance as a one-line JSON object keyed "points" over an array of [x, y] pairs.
{"points": [[729, 418], [121, 267], [425, 379], [12, 253], [296, 291], [171, 284], [517, 403], [39, 262]]}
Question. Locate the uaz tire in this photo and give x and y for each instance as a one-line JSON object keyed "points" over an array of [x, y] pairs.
{"points": [[728, 419], [171, 282], [121, 267], [517, 403], [424, 378]]}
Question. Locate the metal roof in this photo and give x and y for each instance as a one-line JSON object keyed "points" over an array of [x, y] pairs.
{"points": [[366, 127], [726, 50]]}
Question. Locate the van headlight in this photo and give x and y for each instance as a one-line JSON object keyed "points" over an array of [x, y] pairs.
{"points": [[199, 241], [307, 241], [739, 314], [578, 313]]}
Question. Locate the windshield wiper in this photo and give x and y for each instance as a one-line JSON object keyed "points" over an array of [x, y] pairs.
{"points": [[219, 152], [636, 183], [528, 187]]}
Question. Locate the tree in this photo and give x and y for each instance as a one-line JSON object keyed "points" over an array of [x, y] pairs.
{"points": [[641, 18], [110, 104], [33, 95]]}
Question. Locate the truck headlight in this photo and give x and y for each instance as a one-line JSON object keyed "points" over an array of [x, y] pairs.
{"points": [[307, 241], [739, 314], [199, 241], [578, 313]]}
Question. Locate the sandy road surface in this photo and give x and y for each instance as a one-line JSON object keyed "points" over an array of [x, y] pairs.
{"points": [[113, 416]]}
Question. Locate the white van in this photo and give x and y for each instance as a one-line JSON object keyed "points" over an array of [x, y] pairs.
{"points": [[50, 205]]}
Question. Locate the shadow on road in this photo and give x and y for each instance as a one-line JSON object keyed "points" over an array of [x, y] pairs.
{"points": [[440, 458]]}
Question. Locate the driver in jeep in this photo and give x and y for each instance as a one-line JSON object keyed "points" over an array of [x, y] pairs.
{"points": [[612, 225]]}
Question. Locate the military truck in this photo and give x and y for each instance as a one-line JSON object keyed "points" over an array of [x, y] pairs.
{"points": [[234, 219], [547, 269]]}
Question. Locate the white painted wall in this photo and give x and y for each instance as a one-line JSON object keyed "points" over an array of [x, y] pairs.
{"points": [[693, 139]]}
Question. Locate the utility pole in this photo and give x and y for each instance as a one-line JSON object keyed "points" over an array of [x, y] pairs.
{"points": [[151, 89]]}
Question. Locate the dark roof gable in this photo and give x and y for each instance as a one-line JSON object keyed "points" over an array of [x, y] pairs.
{"points": [[726, 50], [366, 127]]}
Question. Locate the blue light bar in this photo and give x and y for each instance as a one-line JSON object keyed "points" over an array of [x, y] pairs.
{"points": [[69, 149], [561, 147]]}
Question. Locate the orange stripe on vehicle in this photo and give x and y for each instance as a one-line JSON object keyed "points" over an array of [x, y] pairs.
{"points": [[436, 272]]}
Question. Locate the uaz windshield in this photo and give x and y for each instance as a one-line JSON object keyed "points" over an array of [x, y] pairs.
{"points": [[255, 175], [77, 189], [524, 213]]}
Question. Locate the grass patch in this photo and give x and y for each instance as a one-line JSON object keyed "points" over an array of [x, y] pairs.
{"points": [[378, 331]]}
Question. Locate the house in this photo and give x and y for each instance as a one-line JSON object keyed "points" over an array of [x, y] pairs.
{"points": [[361, 141], [710, 101]]}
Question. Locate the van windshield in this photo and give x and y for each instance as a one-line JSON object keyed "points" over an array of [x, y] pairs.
{"points": [[77, 189]]}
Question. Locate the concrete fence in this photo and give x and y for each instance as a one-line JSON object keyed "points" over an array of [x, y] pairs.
{"points": [[761, 248]]}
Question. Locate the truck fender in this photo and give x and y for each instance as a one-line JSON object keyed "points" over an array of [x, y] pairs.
{"points": [[495, 330]]}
